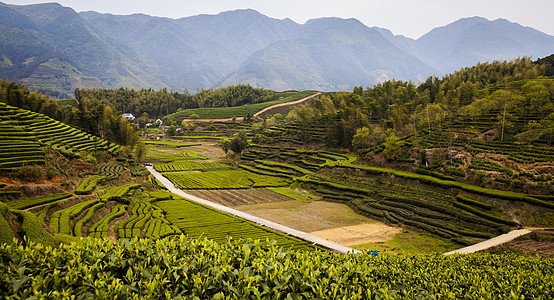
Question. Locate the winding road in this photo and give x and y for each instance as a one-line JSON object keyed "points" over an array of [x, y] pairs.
{"points": [[263, 222], [495, 241], [258, 113]]}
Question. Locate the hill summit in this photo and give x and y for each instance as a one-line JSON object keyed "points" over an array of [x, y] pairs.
{"points": [[55, 49]]}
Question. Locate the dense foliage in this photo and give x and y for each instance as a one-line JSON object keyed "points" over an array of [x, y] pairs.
{"points": [[97, 119], [395, 109], [157, 104], [178, 268]]}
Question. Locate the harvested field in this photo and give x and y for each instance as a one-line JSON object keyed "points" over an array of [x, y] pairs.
{"points": [[234, 198], [359, 234], [306, 216], [329, 220]]}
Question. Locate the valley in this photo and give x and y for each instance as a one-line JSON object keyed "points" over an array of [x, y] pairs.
{"points": [[169, 203]]}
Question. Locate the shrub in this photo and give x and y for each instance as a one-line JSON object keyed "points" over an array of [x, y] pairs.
{"points": [[30, 173]]}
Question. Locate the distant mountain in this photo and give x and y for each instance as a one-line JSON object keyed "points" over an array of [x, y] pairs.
{"points": [[52, 48], [329, 54], [195, 52], [471, 40], [65, 52]]}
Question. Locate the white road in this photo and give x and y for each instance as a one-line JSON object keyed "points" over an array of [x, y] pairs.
{"points": [[263, 222], [501, 239]]}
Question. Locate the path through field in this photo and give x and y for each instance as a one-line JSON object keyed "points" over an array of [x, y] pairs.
{"points": [[258, 113], [501, 239], [263, 222]]}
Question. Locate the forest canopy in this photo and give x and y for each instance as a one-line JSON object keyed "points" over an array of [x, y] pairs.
{"points": [[160, 103], [514, 93]]}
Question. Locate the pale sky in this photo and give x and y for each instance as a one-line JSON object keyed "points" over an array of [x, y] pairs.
{"points": [[411, 18]]}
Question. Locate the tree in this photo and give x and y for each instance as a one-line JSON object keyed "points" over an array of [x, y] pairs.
{"points": [[366, 137], [392, 145], [234, 147], [140, 150], [239, 143], [143, 120], [171, 130]]}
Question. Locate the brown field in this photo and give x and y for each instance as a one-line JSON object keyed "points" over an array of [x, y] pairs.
{"points": [[233, 198], [359, 234], [333, 221]]}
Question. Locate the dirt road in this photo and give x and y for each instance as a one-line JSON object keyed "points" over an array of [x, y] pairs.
{"points": [[258, 113], [263, 222], [501, 239]]}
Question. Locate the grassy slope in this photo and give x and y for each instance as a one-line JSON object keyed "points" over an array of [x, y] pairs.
{"points": [[238, 111]]}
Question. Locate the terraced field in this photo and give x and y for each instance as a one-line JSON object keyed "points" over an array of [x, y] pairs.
{"points": [[227, 179], [239, 111], [198, 221], [447, 209], [239, 197], [31, 131], [18, 148]]}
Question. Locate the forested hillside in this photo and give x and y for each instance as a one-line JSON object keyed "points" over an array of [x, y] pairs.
{"points": [[94, 118], [442, 126], [402, 109], [160, 103], [54, 49]]}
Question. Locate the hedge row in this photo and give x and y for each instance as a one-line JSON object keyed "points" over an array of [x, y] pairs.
{"points": [[78, 228], [474, 202], [100, 228], [433, 207], [482, 214], [31, 202], [89, 184]]}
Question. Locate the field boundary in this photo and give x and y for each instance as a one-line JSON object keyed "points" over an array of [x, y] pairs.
{"points": [[262, 222]]}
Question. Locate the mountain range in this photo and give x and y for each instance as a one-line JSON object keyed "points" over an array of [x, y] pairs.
{"points": [[54, 49]]}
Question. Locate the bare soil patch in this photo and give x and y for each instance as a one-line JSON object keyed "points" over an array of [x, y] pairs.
{"points": [[359, 234], [210, 150], [306, 216]]}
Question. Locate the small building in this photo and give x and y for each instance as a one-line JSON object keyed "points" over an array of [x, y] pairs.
{"points": [[128, 116], [159, 122]]}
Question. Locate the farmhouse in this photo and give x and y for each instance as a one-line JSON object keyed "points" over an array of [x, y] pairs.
{"points": [[128, 116]]}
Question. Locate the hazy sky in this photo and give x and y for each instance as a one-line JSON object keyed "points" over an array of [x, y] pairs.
{"points": [[411, 18]]}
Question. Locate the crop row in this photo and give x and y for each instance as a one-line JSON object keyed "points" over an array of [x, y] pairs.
{"points": [[68, 140], [198, 221], [78, 228], [18, 148], [230, 179], [100, 228], [508, 195], [61, 220], [36, 201], [111, 171], [159, 227], [189, 166], [489, 166], [118, 193], [88, 184], [139, 215]]}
